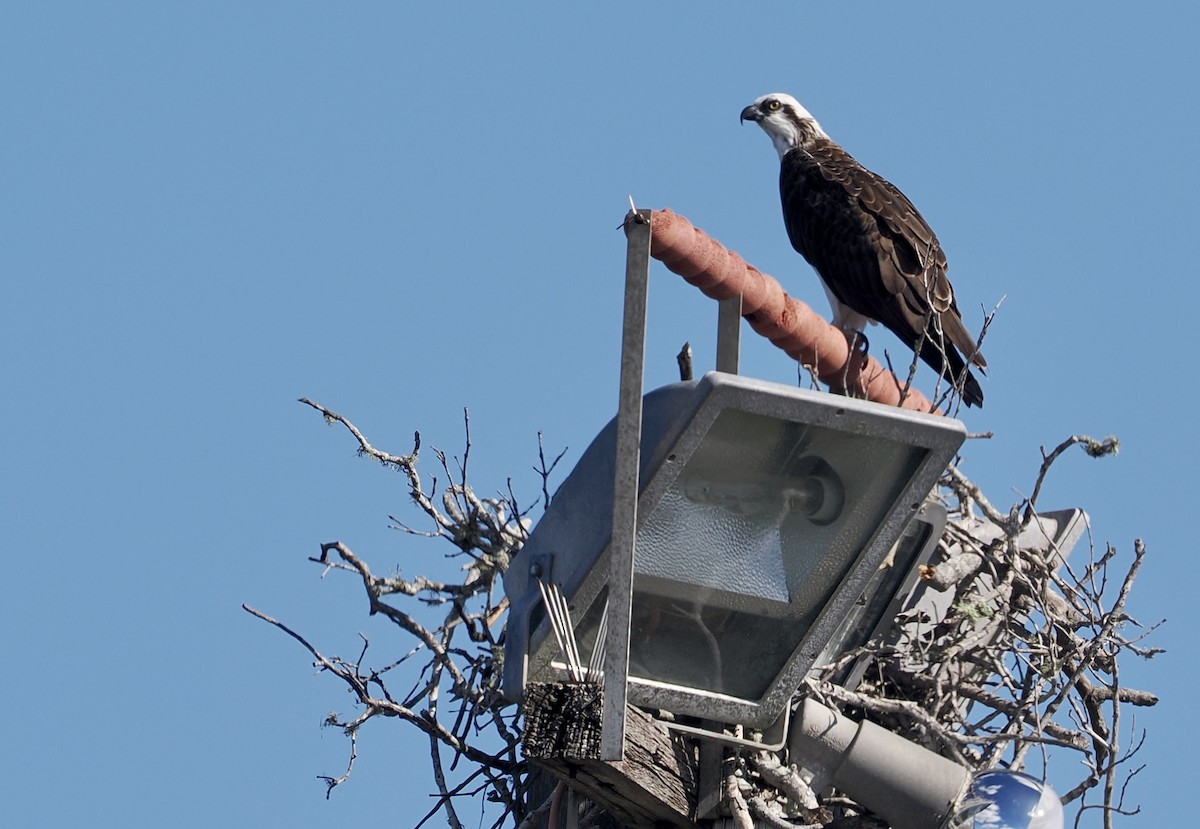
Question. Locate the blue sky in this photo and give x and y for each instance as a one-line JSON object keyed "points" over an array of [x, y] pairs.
{"points": [[402, 210]]}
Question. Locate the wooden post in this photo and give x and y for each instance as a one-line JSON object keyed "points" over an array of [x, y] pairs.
{"points": [[654, 786]]}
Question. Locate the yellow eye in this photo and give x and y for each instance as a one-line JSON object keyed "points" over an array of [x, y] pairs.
{"points": [[773, 105]]}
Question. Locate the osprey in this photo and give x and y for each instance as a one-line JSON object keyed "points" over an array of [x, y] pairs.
{"points": [[878, 259]]}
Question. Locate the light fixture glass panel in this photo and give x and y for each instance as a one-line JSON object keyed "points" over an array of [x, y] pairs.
{"points": [[748, 544]]}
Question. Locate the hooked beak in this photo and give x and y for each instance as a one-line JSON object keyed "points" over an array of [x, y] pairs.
{"points": [[750, 113]]}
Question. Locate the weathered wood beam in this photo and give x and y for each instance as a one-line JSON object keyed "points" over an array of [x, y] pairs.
{"points": [[654, 786]]}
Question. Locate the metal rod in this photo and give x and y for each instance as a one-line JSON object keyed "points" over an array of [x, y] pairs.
{"points": [[572, 815], [564, 615], [596, 663], [625, 485], [555, 625], [559, 614], [729, 334], [720, 737]]}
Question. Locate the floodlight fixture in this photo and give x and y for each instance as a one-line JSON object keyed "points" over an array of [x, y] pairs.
{"points": [[764, 514], [917, 604]]}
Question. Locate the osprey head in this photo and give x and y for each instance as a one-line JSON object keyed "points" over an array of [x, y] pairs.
{"points": [[788, 124]]}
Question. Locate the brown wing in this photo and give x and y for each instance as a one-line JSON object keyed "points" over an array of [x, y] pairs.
{"points": [[876, 254]]}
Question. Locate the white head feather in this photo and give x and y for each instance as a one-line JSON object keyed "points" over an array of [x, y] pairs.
{"points": [[784, 120]]}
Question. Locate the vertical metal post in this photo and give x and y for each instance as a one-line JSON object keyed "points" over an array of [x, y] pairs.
{"points": [[625, 485], [729, 334], [708, 784], [572, 816]]}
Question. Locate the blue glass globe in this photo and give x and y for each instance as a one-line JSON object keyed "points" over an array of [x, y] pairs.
{"points": [[1007, 800]]}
